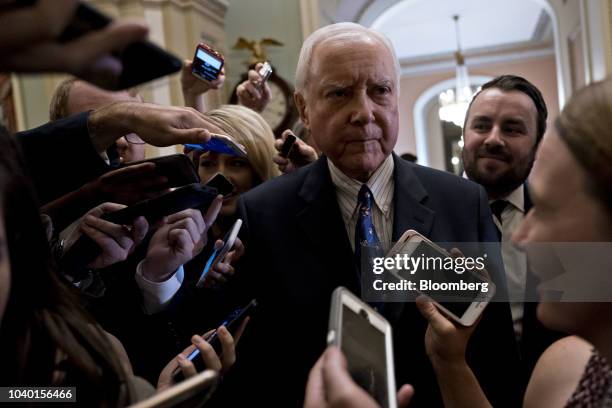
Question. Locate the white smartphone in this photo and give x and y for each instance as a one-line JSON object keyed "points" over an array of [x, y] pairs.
{"points": [[218, 254], [364, 336], [473, 299], [194, 391]]}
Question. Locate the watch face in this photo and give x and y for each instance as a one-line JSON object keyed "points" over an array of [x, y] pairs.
{"points": [[277, 108]]}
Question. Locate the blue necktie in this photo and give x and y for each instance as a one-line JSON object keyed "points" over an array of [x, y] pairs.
{"points": [[366, 240], [367, 243]]}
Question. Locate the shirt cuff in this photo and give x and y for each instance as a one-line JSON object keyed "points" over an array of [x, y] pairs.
{"points": [[157, 295]]}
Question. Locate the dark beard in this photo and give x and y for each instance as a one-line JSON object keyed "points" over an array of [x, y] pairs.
{"points": [[503, 184]]}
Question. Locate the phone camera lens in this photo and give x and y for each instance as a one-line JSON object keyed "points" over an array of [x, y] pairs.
{"points": [[363, 314]]}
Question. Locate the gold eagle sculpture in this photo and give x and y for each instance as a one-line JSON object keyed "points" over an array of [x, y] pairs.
{"points": [[257, 48]]}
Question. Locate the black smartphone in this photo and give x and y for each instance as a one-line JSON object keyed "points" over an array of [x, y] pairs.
{"points": [[15, 4], [207, 63], [142, 61], [177, 168], [221, 183], [287, 146], [231, 323], [195, 195]]}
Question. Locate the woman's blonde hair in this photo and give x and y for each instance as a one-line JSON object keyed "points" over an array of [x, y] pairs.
{"points": [[248, 128]]}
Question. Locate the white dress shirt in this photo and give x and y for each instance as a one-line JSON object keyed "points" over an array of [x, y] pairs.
{"points": [[157, 295], [382, 187]]}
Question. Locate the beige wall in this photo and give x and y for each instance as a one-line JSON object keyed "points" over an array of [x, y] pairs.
{"points": [[257, 19], [540, 71]]}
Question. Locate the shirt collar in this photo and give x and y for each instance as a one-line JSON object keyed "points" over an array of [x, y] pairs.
{"points": [[516, 197], [378, 183]]}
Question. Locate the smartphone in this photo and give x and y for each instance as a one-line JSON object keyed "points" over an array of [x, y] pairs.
{"points": [[141, 61], [466, 310], [218, 254], [220, 144], [195, 195], [285, 150], [221, 183], [231, 323], [265, 71], [193, 392], [207, 63], [177, 168], [15, 4], [365, 338]]}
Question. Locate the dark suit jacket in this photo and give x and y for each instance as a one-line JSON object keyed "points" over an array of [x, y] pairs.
{"points": [[60, 157], [298, 252]]}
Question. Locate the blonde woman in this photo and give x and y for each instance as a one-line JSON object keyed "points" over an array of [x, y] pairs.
{"points": [[249, 129]]}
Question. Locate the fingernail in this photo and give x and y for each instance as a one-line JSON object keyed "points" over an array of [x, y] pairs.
{"points": [[180, 358]]}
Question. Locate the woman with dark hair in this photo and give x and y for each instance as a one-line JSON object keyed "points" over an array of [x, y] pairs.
{"points": [[46, 337]]}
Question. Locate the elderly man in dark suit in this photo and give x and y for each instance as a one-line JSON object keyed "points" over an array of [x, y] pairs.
{"points": [[300, 230]]}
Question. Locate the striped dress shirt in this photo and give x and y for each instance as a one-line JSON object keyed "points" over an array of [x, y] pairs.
{"points": [[382, 187]]}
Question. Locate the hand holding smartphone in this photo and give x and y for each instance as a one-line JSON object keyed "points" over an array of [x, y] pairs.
{"points": [[365, 338], [141, 61], [287, 146], [472, 303], [218, 254], [232, 323], [207, 63]]}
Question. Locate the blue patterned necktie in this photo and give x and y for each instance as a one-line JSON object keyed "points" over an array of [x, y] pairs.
{"points": [[367, 244], [365, 233]]}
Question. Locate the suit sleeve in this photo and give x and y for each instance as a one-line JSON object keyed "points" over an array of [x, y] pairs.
{"points": [[60, 157]]}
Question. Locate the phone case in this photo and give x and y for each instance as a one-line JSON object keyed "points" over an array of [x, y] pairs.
{"points": [[409, 234], [199, 68], [220, 144]]}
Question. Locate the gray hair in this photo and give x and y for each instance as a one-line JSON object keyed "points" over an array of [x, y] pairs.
{"points": [[339, 32]]}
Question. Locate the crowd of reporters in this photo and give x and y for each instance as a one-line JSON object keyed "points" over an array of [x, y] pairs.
{"points": [[119, 326]]}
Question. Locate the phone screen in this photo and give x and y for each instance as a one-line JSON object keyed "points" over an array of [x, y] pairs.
{"points": [[207, 65], [365, 351]]}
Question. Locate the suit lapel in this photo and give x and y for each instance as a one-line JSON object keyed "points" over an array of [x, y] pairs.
{"points": [[323, 226], [409, 195]]}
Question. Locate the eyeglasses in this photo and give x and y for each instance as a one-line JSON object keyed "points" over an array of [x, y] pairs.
{"points": [[133, 138]]}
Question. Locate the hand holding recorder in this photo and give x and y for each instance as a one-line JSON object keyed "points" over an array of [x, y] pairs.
{"points": [[293, 153], [254, 93]]}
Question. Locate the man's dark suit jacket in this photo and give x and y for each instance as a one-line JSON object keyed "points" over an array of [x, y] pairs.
{"points": [[298, 252], [60, 157]]}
